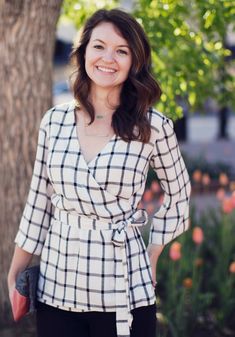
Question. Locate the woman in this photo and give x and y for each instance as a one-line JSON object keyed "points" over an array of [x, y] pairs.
{"points": [[96, 276]]}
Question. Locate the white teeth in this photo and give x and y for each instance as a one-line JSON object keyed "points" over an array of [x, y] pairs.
{"points": [[106, 70]]}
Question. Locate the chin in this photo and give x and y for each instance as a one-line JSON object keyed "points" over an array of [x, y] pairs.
{"points": [[105, 85]]}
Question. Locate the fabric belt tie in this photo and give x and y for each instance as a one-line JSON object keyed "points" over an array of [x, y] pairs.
{"points": [[124, 317]]}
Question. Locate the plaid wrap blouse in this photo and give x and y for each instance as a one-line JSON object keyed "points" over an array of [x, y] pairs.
{"points": [[83, 218]]}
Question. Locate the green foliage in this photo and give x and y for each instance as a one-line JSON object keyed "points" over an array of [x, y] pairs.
{"points": [[188, 50], [79, 11]]}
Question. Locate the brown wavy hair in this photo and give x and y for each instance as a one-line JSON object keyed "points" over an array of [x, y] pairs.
{"points": [[140, 90]]}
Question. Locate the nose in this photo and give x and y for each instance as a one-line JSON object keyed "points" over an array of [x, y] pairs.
{"points": [[108, 56]]}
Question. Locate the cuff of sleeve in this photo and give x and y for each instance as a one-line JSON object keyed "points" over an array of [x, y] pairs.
{"points": [[159, 238], [28, 244]]}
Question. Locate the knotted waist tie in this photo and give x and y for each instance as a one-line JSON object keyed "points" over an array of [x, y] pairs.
{"points": [[122, 290]]}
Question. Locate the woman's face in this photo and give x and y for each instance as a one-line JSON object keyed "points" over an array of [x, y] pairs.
{"points": [[107, 57]]}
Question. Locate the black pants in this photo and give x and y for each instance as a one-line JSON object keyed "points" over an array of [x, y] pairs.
{"points": [[61, 323]]}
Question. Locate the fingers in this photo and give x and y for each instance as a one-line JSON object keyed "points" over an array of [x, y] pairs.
{"points": [[154, 271], [154, 282]]}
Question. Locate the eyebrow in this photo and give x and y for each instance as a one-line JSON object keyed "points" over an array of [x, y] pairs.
{"points": [[122, 45]]}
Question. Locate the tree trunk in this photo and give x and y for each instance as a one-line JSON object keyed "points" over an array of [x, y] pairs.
{"points": [[27, 35]]}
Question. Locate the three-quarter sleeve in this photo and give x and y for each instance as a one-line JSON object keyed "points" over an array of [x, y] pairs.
{"points": [[38, 209], [172, 218]]}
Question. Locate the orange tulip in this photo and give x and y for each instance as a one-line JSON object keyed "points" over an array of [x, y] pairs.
{"points": [[223, 179], [220, 194], [188, 283], [198, 235], [232, 186], [148, 195], [155, 187], [206, 179], [150, 207], [227, 205], [232, 267], [198, 262], [197, 176], [175, 251]]}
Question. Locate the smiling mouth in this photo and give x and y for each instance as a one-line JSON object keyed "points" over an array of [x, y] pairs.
{"points": [[106, 70]]}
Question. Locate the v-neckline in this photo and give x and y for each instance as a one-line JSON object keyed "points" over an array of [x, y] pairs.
{"points": [[105, 147]]}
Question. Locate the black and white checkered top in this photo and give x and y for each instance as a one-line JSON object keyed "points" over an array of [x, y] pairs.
{"points": [[83, 218]]}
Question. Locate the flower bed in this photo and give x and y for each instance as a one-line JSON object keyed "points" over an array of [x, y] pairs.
{"points": [[196, 272]]}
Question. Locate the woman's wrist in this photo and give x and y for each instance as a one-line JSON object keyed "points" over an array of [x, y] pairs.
{"points": [[11, 278], [155, 250]]}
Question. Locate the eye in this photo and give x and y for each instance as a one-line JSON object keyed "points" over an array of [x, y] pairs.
{"points": [[98, 46], [123, 52]]}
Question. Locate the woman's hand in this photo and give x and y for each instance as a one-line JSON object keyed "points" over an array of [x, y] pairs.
{"points": [[20, 261], [154, 252]]}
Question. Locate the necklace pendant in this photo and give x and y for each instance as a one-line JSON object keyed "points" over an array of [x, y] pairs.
{"points": [[99, 116]]}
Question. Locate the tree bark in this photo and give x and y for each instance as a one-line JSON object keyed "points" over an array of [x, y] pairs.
{"points": [[27, 36]]}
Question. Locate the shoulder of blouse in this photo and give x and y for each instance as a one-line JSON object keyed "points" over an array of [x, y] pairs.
{"points": [[54, 113], [158, 121]]}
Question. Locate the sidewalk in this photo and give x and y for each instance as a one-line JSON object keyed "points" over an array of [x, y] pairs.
{"points": [[214, 151]]}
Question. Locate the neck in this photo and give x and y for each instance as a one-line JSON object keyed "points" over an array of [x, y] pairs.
{"points": [[104, 102]]}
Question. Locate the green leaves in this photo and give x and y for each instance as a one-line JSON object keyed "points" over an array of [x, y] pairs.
{"points": [[188, 50], [79, 11], [209, 17]]}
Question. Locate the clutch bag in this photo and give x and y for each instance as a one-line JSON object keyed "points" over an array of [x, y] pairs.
{"points": [[25, 293]]}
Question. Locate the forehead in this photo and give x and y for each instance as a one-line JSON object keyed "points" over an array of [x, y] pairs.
{"points": [[108, 32]]}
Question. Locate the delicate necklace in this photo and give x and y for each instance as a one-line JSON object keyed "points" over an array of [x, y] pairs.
{"points": [[85, 124], [101, 116], [98, 116]]}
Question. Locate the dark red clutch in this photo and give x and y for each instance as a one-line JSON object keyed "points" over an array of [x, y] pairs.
{"points": [[25, 293], [20, 305]]}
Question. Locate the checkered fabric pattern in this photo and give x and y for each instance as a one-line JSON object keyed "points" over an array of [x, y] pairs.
{"points": [[83, 217]]}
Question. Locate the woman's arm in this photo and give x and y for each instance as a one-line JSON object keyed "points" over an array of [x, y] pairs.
{"points": [[154, 251], [172, 219], [36, 216], [38, 210]]}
